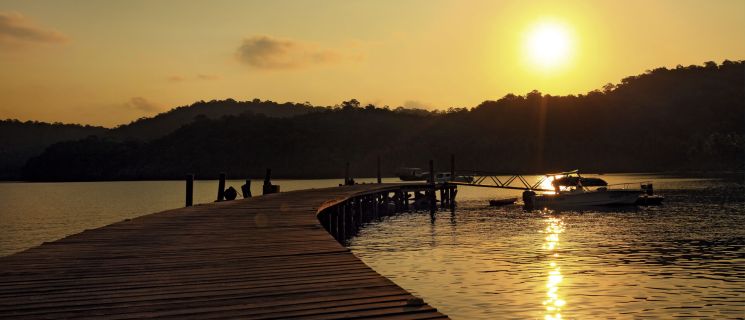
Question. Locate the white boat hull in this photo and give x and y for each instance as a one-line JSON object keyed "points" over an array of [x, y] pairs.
{"points": [[589, 198]]}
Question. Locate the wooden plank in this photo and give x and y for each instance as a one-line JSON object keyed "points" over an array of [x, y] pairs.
{"points": [[259, 258]]}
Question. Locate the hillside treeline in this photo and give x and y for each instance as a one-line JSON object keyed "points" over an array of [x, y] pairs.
{"points": [[24, 140], [20, 141], [682, 119]]}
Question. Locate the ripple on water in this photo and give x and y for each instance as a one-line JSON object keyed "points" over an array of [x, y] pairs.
{"points": [[683, 259]]}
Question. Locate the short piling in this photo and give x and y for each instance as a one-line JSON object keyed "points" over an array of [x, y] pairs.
{"points": [[221, 187], [380, 179], [452, 166], [189, 190], [268, 187], [432, 196], [246, 189], [347, 179]]}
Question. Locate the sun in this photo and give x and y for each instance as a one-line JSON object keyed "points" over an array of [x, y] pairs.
{"points": [[548, 45]]}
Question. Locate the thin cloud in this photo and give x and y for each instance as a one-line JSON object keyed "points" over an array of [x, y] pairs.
{"points": [[176, 78], [208, 77], [264, 52], [202, 77], [16, 30], [142, 104]]}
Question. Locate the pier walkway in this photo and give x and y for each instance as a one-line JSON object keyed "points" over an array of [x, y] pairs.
{"points": [[259, 258]]}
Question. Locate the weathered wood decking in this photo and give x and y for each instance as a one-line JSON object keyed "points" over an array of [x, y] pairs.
{"points": [[260, 258]]}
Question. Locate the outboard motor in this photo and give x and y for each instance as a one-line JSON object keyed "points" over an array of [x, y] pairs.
{"points": [[648, 188], [529, 198]]}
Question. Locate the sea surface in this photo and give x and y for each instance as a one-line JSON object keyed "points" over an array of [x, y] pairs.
{"points": [[685, 259]]}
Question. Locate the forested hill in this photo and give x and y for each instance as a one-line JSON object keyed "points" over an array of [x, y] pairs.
{"points": [[683, 119], [167, 122], [23, 140]]}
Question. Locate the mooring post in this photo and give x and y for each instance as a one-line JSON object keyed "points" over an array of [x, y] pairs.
{"points": [[431, 172], [380, 179], [331, 223], [221, 187], [267, 180], [406, 201], [350, 220], [246, 189], [344, 222], [432, 196], [346, 173], [452, 166], [268, 186], [189, 190], [376, 205], [361, 216], [339, 225], [453, 192], [442, 195]]}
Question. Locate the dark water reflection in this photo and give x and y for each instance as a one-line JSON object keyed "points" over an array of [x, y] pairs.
{"points": [[683, 259]]}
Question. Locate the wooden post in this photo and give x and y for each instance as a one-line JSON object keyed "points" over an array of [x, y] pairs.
{"points": [[331, 222], [451, 198], [343, 222], [268, 187], [246, 189], [431, 171], [380, 180], [221, 187], [339, 222], [452, 167], [189, 190], [346, 174], [358, 219], [432, 196], [376, 208], [406, 201], [442, 195]]}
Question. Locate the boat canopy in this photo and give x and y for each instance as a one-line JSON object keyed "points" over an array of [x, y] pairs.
{"points": [[572, 181]]}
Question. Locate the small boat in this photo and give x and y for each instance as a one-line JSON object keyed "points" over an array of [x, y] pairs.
{"points": [[502, 202], [411, 174], [571, 189], [649, 198]]}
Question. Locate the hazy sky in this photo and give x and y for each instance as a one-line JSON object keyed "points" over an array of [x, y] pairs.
{"points": [[110, 62]]}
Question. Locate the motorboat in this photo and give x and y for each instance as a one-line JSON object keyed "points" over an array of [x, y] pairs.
{"points": [[411, 174], [447, 177], [571, 189]]}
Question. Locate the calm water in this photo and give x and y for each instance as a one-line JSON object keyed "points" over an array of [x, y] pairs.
{"points": [[684, 259], [32, 213]]}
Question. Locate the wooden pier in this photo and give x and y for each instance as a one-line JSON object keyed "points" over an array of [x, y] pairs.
{"points": [[273, 257]]}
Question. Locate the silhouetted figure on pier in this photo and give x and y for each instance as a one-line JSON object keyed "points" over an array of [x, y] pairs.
{"points": [[230, 194]]}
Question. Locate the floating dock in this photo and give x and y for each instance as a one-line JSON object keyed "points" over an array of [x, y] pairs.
{"points": [[278, 256]]}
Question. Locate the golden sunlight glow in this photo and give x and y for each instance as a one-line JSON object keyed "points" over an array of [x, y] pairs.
{"points": [[546, 185], [548, 45], [554, 303]]}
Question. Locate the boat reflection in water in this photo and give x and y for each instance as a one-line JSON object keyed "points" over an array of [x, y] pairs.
{"points": [[554, 301]]}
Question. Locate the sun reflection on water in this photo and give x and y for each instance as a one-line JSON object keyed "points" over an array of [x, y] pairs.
{"points": [[554, 302]]}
